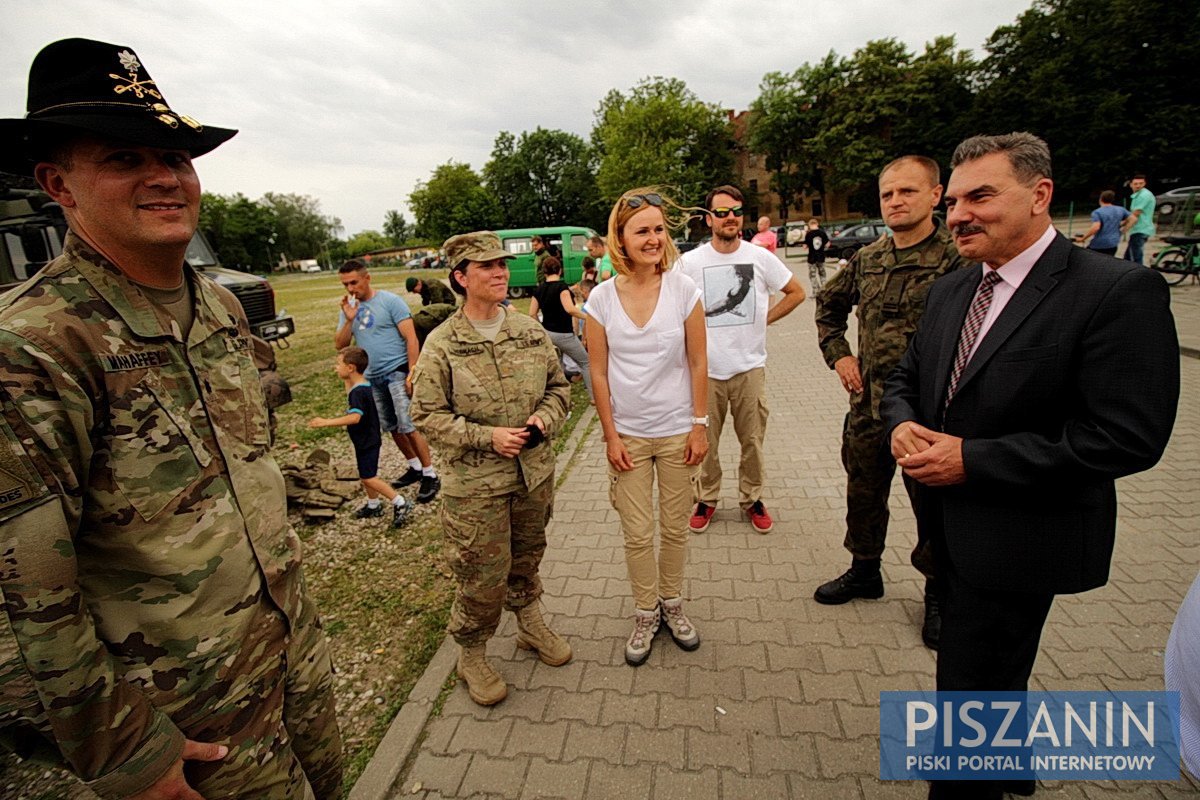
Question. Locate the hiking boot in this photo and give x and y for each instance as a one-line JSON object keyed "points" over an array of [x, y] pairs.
{"points": [[760, 520], [430, 486], [931, 629], [861, 580], [701, 517], [645, 626], [366, 512], [484, 684], [407, 479], [533, 634], [681, 628], [399, 515]]}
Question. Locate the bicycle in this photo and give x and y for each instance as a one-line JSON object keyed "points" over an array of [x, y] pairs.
{"points": [[1179, 260]]}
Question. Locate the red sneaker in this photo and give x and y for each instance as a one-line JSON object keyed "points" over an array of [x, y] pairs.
{"points": [[759, 517], [701, 517]]}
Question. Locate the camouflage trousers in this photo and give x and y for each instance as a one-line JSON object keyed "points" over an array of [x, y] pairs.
{"points": [[816, 276], [869, 472], [494, 545], [283, 736]]}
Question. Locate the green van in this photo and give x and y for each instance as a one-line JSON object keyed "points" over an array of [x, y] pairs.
{"points": [[570, 241]]}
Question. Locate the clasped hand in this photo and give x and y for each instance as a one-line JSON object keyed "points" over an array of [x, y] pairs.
{"points": [[931, 457]]}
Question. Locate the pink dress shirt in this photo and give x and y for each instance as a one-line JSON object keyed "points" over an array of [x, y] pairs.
{"points": [[1012, 275]]}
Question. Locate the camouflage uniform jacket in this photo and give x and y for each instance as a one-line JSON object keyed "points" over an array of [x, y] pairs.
{"points": [[889, 290], [433, 292], [143, 527], [464, 385]]}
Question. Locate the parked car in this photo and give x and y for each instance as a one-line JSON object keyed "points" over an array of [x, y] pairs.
{"points": [[1175, 200], [848, 241]]}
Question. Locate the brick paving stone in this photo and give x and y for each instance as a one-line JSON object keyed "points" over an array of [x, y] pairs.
{"points": [[819, 717], [799, 681], [607, 781], [483, 736], [536, 739], [439, 773], [562, 781], [782, 684], [794, 754], [656, 747], [671, 784], [735, 785], [722, 749], [605, 743], [500, 776]]}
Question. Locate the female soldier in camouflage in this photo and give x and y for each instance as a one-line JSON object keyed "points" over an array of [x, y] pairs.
{"points": [[488, 389]]}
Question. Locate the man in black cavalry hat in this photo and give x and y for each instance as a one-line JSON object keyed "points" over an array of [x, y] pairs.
{"points": [[156, 638]]}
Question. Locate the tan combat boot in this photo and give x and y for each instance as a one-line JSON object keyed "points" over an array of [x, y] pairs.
{"points": [[533, 634], [484, 684]]}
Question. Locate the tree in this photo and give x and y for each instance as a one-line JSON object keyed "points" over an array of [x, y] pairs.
{"points": [[396, 228], [301, 230], [785, 118], [546, 177], [239, 230], [1111, 85], [661, 133], [366, 242], [453, 201]]}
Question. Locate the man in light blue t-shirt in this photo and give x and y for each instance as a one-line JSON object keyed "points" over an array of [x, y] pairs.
{"points": [[1141, 221], [381, 323]]}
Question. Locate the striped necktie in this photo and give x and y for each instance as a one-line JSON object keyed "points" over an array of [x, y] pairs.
{"points": [[970, 331]]}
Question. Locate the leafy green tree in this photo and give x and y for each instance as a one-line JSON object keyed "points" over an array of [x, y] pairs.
{"points": [[545, 177], [301, 230], [239, 230], [785, 118], [661, 133], [366, 242], [396, 228], [1112, 85], [452, 201]]}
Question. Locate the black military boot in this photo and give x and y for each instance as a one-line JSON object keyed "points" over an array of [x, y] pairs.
{"points": [[931, 629], [861, 580]]}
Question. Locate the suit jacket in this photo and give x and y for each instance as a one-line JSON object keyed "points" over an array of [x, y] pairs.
{"points": [[1075, 385]]}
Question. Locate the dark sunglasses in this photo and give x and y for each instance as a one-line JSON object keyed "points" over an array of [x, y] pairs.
{"points": [[722, 213], [638, 200]]}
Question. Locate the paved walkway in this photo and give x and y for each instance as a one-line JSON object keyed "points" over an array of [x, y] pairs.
{"points": [[781, 700]]}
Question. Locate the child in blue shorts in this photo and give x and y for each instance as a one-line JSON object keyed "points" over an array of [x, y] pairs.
{"points": [[361, 421]]}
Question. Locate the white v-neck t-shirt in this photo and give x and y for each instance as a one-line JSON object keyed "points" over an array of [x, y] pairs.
{"points": [[649, 380]]}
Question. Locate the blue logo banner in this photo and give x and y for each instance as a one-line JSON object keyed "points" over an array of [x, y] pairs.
{"points": [[1120, 736]]}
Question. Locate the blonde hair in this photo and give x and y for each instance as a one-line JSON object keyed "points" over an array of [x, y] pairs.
{"points": [[674, 217]]}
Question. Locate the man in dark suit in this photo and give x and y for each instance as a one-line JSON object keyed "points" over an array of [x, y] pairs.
{"points": [[1034, 381]]}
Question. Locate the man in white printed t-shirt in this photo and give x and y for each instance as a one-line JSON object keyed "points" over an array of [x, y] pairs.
{"points": [[737, 280]]}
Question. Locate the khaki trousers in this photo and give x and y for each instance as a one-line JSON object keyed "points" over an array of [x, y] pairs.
{"points": [[744, 396], [632, 495]]}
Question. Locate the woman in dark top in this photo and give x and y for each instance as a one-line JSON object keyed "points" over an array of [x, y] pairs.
{"points": [[553, 298]]}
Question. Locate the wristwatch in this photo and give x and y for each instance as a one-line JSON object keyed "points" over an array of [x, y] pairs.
{"points": [[700, 421]]}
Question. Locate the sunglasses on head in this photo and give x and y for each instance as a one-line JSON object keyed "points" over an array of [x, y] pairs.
{"points": [[638, 200], [722, 213]]}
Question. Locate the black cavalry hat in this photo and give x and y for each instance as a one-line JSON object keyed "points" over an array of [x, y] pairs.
{"points": [[94, 87]]}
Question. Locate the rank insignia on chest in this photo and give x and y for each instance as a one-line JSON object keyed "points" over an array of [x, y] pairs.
{"points": [[141, 359]]}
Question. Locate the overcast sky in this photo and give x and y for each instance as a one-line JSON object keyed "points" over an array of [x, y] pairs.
{"points": [[355, 102]]}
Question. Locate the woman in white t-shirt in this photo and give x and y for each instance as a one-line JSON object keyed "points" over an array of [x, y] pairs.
{"points": [[645, 333]]}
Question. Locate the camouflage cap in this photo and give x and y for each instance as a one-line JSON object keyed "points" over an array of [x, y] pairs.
{"points": [[477, 246]]}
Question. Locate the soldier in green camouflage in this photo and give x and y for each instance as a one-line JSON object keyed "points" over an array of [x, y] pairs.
{"points": [[432, 292], [887, 280], [489, 390], [156, 637]]}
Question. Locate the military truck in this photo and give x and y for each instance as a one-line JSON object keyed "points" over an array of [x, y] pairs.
{"points": [[32, 231]]}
